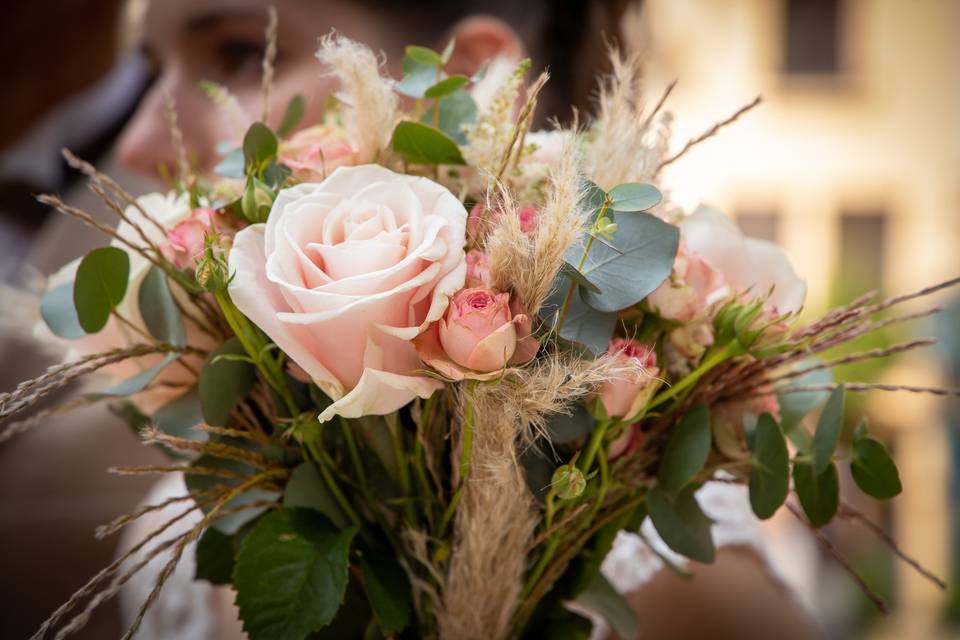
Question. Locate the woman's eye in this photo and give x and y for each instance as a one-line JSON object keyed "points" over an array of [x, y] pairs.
{"points": [[236, 57]]}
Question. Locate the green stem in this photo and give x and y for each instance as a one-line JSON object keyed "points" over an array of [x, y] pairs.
{"points": [[466, 452], [354, 453], [729, 351], [322, 464], [403, 470], [567, 299], [596, 439]]}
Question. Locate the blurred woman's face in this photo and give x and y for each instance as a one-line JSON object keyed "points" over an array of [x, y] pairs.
{"points": [[222, 41]]}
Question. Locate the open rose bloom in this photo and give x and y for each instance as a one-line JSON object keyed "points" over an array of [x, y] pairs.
{"points": [[346, 273]]}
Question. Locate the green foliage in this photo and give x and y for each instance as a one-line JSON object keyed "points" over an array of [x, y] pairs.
{"points": [[291, 574], [421, 70], [215, 557], [571, 272], [180, 416], [306, 488], [291, 116], [259, 147], [423, 55], [203, 482], [687, 449], [872, 468], [770, 475], [641, 258], [231, 166], [601, 598], [563, 428], [681, 523], [135, 384], [632, 196], [99, 286], [828, 431], [224, 382], [819, 493], [568, 481], [537, 469], [388, 591], [582, 324], [159, 311], [446, 86], [60, 314], [421, 144], [456, 110]]}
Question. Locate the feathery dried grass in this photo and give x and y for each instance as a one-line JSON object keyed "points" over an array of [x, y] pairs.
{"points": [[527, 265], [370, 101], [491, 137], [228, 107]]}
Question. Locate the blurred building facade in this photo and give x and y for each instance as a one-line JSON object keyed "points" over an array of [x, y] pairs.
{"points": [[852, 163]]}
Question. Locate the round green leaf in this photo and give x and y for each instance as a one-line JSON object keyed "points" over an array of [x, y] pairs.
{"points": [[770, 475], [633, 196], [417, 78], [583, 324], [388, 590], [159, 311], [456, 110], [224, 382], [828, 431], [100, 285], [60, 314], [422, 144], [681, 523], [423, 55], [819, 494], [874, 470], [446, 86], [137, 383], [687, 449], [639, 259], [291, 574]]}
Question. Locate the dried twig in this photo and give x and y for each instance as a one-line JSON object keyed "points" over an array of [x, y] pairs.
{"points": [[709, 133], [269, 58]]}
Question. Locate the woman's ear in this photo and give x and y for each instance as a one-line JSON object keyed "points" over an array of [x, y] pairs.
{"points": [[480, 39]]}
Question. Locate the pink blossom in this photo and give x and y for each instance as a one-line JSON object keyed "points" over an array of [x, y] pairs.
{"points": [[316, 151], [527, 216], [185, 241], [624, 397], [690, 291]]}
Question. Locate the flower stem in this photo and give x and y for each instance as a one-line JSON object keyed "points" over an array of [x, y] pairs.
{"points": [[403, 470]]}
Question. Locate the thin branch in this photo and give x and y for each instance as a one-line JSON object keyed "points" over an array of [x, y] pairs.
{"points": [[269, 59], [709, 133]]}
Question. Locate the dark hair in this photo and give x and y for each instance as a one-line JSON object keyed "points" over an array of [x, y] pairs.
{"points": [[568, 37]]}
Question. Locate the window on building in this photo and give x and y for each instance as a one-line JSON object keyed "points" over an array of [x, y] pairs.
{"points": [[812, 36], [765, 226], [862, 252]]}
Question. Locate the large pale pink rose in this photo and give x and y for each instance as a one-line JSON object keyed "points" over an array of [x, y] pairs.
{"points": [[345, 273], [745, 263]]}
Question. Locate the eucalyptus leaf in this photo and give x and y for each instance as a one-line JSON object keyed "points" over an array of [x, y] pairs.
{"points": [[827, 435], [291, 116], [423, 55], [538, 468], [204, 482], [180, 417], [388, 591], [681, 523], [819, 493], [422, 144], [99, 286], [574, 274], [306, 488], [644, 248], [770, 474], [214, 557], [446, 87], [417, 77], [224, 383], [291, 574], [563, 428], [159, 311], [456, 110], [688, 446], [582, 323], [59, 313], [231, 166], [874, 470], [632, 196], [601, 598], [136, 383]]}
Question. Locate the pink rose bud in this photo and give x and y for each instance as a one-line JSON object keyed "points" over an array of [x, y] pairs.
{"points": [[623, 397], [478, 269], [313, 153], [185, 242], [693, 286], [478, 330]]}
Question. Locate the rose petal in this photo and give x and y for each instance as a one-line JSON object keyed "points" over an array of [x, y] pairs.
{"points": [[380, 393], [494, 351]]}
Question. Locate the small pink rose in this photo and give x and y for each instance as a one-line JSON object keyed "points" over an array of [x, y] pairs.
{"points": [[480, 221], [481, 333], [690, 291], [624, 397], [313, 153], [478, 269]]}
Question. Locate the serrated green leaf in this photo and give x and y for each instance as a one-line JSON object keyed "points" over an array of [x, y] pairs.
{"points": [[641, 258], [259, 146], [688, 446], [874, 470], [158, 310], [59, 313], [291, 574], [446, 87], [215, 557], [819, 493], [563, 428], [422, 144], [770, 475], [306, 488], [99, 286], [601, 598], [224, 383], [633, 196], [828, 431], [291, 116], [388, 591], [681, 523]]}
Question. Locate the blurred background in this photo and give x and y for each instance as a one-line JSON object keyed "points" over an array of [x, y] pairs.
{"points": [[852, 163]]}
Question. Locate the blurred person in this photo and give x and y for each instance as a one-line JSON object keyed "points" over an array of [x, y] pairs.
{"points": [[222, 41]]}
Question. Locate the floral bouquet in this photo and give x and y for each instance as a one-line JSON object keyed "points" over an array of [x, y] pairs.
{"points": [[420, 364]]}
